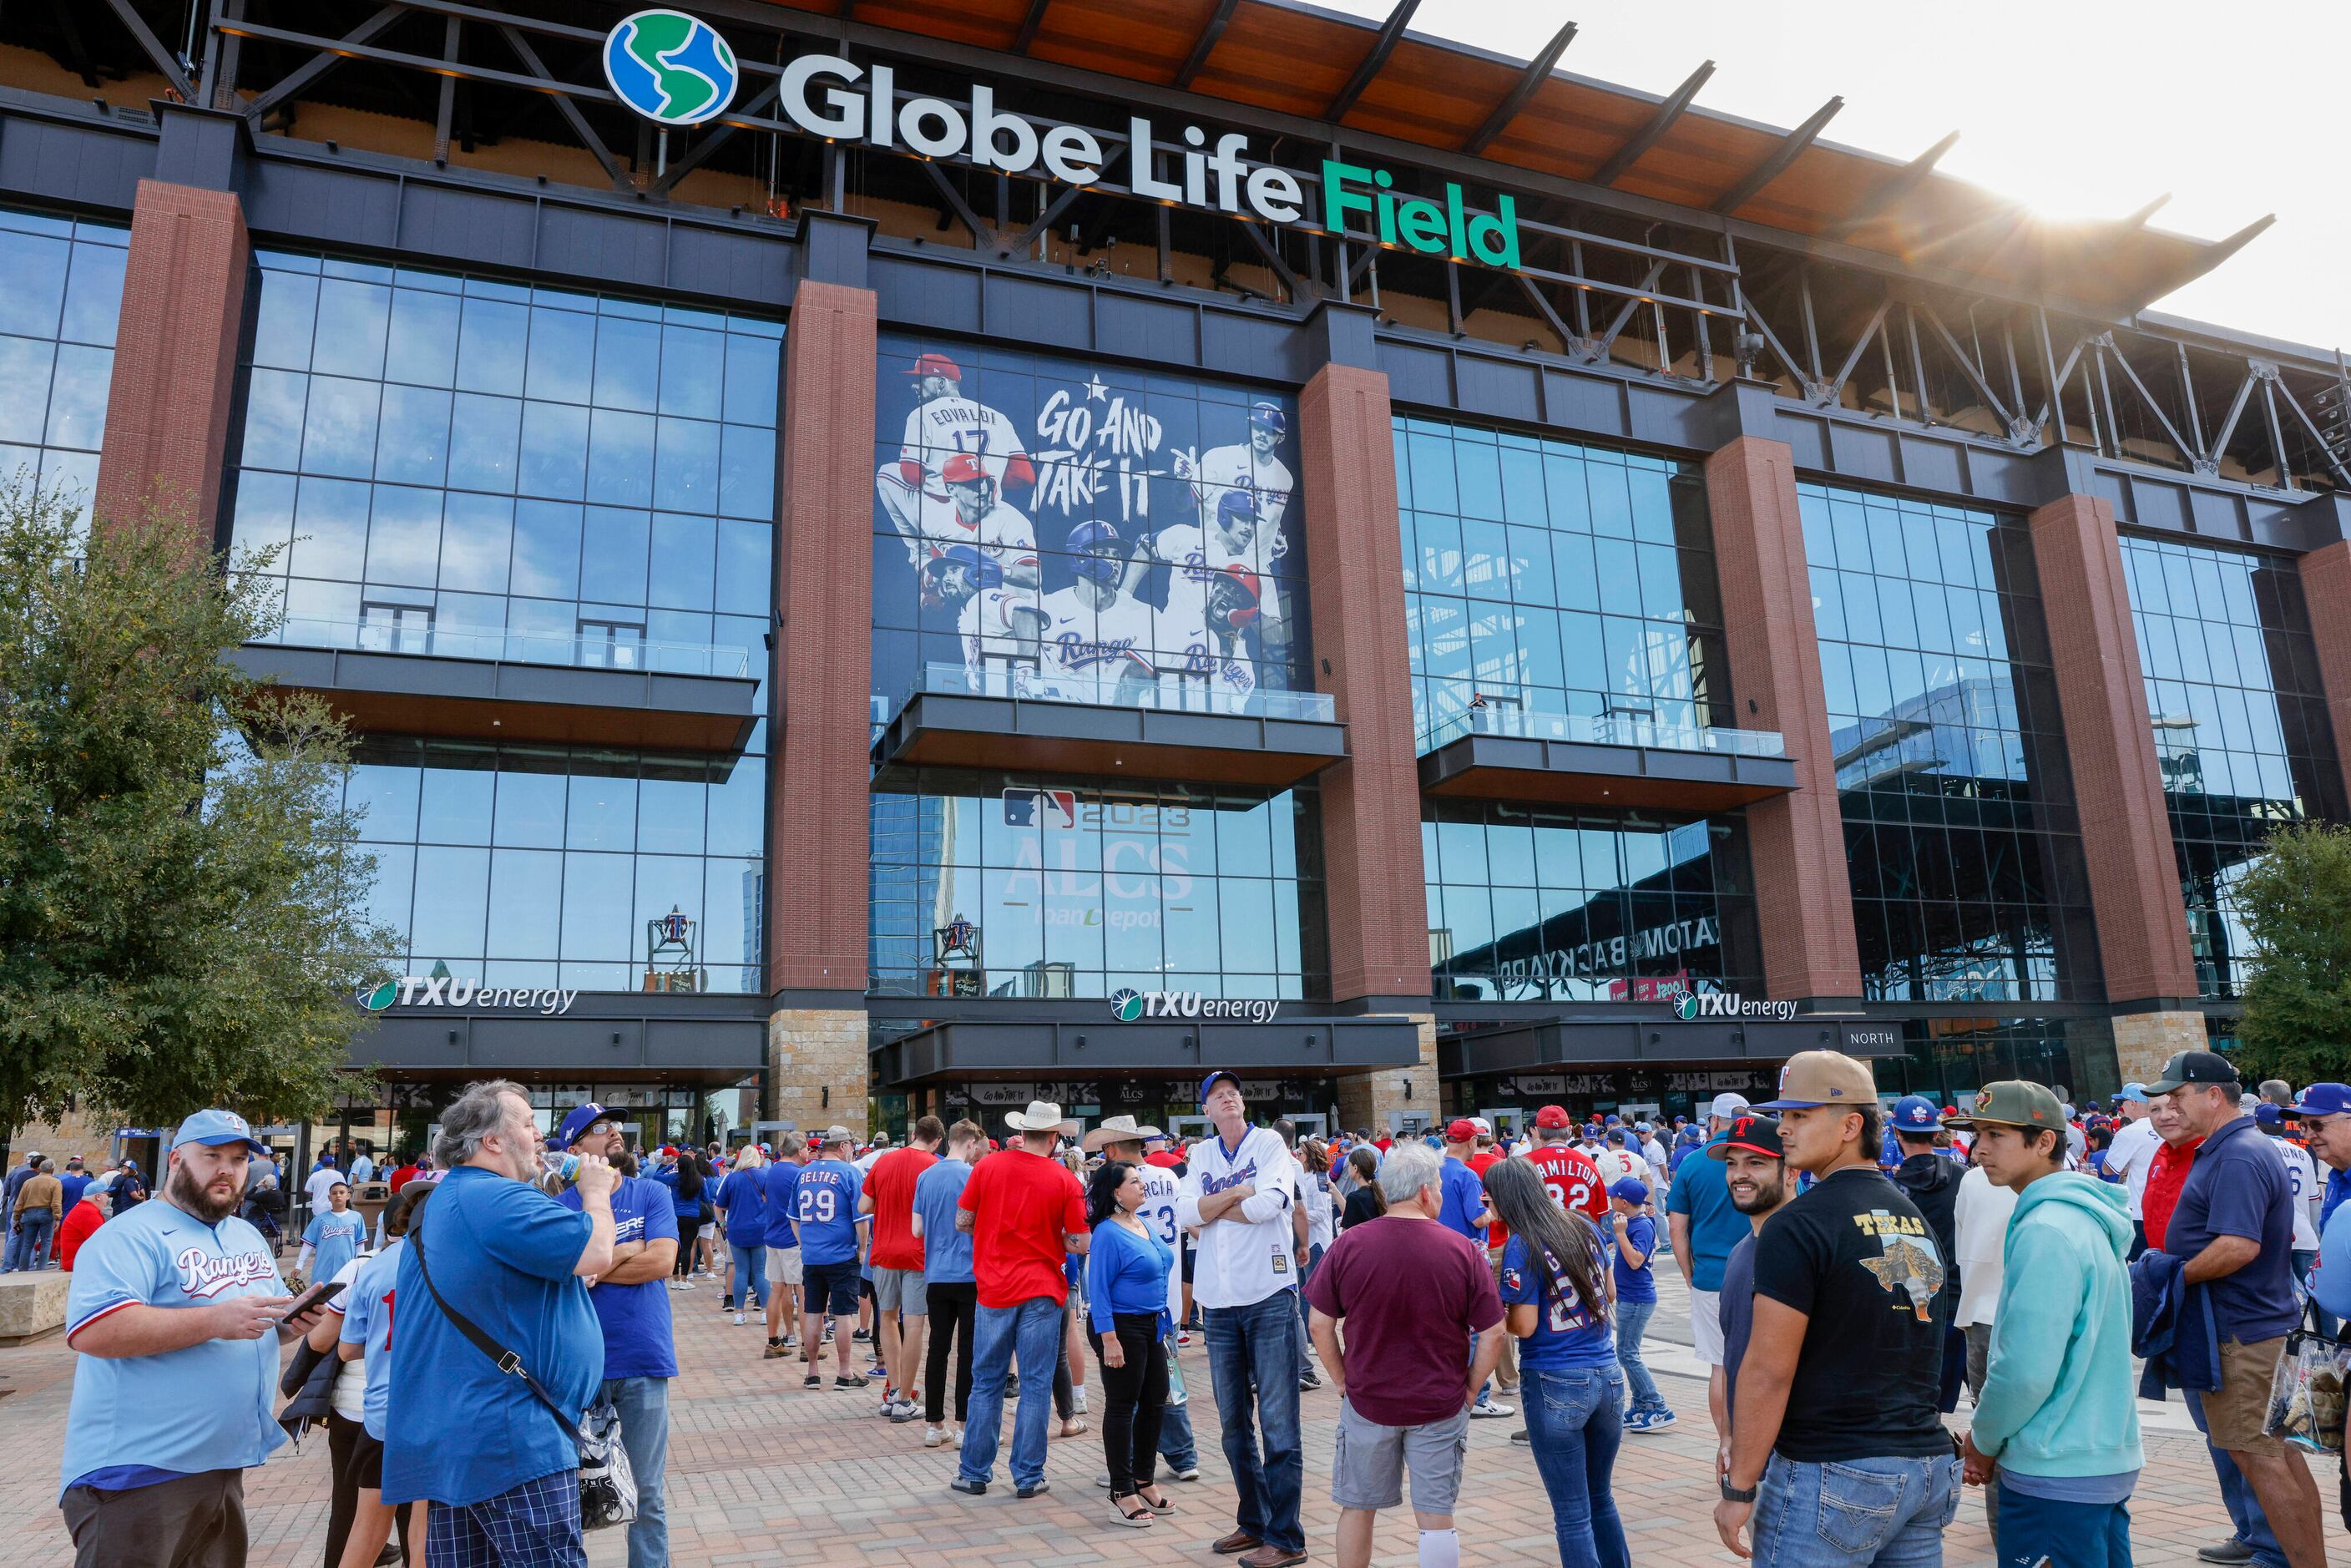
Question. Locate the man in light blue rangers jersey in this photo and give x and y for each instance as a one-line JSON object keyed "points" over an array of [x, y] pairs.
{"points": [[175, 1311], [825, 1204]]}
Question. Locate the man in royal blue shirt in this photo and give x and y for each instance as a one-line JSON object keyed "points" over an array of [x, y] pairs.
{"points": [[780, 1182], [824, 1204], [1464, 1212], [2233, 1228], [175, 1314], [631, 1302], [1706, 1226], [502, 1473]]}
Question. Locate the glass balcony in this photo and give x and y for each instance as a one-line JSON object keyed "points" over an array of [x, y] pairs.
{"points": [[1163, 692], [595, 648], [1510, 718]]}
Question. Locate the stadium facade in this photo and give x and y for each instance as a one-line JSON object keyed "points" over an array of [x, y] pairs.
{"points": [[894, 558]]}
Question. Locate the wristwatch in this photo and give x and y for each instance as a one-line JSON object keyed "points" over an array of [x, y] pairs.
{"points": [[1735, 1494]]}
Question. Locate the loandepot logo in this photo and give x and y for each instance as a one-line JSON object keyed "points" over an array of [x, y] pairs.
{"points": [[673, 68], [1127, 1005], [444, 990], [1692, 1006]]}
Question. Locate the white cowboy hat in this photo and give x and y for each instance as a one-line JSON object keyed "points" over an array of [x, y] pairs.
{"points": [[1118, 1130], [1042, 1116]]}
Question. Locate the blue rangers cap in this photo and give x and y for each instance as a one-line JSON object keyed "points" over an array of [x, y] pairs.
{"points": [[1915, 1114], [2324, 1100], [1269, 416], [1209, 1083], [582, 1117], [217, 1127], [984, 573], [1089, 535], [1236, 504]]}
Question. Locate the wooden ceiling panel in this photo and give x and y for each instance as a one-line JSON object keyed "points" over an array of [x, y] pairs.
{"points": [[1287, 61], [984, 24], [1570, 129], [1143, 40], [1431, 95]]}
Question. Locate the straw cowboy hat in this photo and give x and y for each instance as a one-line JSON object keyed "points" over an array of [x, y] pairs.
{"points": [[1042, 1116], [1118, 1130]]}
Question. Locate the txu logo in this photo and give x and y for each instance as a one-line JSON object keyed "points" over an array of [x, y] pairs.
{"points": [[375, 999], [1126, 1005], [1685, 1007]]}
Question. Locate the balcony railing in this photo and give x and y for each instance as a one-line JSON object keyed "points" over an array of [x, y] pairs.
{"points": [[1165, 693], [577, 651], [1509, 718]]}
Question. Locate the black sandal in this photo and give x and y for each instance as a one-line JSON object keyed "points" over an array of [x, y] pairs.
{"points": [[1138, 1518], [1161, 1506]]}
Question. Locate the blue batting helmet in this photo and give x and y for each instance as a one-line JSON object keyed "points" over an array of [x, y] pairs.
{"points": [[979, 566], [1269, 416]]}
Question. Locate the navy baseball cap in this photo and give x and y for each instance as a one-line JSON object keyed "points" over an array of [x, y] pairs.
{"points": [[2269, 1116], [2324, 1100], [1209, 1083], [582, 1117], [217, 1127], [1631, 1189], [1915, 1114]]}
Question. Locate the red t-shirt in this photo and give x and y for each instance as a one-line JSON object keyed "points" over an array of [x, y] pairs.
{"points": [[1410, 1294], [1383, 1144], [403, 1176], [1572, 1179], [2166, 1175], [891, 1185], [1496, 1233], [1021, 1205], [1163, 1160], [81, 1220]]}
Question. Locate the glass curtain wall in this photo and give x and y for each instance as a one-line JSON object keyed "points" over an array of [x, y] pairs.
{"points": [[1965, 849], [1544, 578], [2242, 731], [60, 295]]}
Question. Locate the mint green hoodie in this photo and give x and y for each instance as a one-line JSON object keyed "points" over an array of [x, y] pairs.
{"points": [[2060, 1395]]}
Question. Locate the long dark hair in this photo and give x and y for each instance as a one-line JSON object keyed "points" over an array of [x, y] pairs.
{"points": [[689, 1176], [1366, 1162], [1557, 1242], [1102, 1193]]}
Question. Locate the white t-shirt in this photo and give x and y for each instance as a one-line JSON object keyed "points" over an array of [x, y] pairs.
{"points": [[321, 1181], [2132, 1155], [1245, 1256], [1979, 1218], [2301, 1174]]}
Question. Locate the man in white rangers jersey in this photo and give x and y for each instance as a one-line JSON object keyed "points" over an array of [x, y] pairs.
{"points": [[1197, 557], [1096, 639], [975, 516], [1254, 468], [996, 626], [942, 423], [1118, 1138]]}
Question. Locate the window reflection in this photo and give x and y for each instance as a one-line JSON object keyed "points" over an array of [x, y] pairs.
{"points": [[519, 865], [2242, 734], [1075, 889], [1965, 854], [60, 294]]}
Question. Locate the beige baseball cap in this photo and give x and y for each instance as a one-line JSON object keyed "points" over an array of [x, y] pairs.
{"points": [[1816, 1078]]}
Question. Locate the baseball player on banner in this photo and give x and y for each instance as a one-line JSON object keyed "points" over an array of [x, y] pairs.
{"points": [[1097, 638], [1255, 468], [943, 423]]}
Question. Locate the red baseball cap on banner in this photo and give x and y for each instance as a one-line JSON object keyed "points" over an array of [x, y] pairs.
{"points": [[937, 365]]}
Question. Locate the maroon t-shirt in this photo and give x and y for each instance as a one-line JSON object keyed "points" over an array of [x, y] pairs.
{"points": [[1412, 1293]]}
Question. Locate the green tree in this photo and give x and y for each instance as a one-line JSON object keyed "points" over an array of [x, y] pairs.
{"points": [[2296, 904], [183, 911]]}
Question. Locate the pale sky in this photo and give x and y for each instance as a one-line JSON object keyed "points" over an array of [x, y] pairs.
{"points": [[2079, 108]]}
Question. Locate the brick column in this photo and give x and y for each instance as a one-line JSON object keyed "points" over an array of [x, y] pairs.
{"points": [[1803, 893], [822, 670], [2326, 591], [1373, 880], [2110, 750], [167, 411]]}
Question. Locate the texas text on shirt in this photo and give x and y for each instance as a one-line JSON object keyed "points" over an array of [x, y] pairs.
{"points": [[1239, 1264], [140, 1419]]}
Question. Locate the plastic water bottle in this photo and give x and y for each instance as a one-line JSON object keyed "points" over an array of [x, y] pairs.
{"points": [[562, 1168]]}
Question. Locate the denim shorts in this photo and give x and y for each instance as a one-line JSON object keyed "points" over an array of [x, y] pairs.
{"points": [[1368, 1468]]}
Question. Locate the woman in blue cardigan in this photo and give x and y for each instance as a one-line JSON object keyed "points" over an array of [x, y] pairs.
{"points": [[1126, 1309]]}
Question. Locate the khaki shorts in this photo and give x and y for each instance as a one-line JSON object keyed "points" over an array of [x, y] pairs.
{"points": [[1706, 1326], [2235, 1415], [783, 1265], [1368, 1468]]}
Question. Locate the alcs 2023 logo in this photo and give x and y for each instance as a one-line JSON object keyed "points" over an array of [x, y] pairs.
{"points": [[673, 68]]}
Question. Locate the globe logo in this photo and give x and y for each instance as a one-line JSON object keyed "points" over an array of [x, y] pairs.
{"points": [[1126, 1005], [1685, 1007], [375, 999], [671, 68]]}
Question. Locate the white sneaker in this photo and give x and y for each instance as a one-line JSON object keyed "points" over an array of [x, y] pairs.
{"points": [[933, 1437], [738, 1320], [1490, 1409], [685, 1284]]}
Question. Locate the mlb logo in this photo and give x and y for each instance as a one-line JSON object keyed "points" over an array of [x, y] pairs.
{"points": [[1021, 807]]}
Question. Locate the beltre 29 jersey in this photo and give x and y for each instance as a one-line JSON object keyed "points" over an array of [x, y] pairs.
{"points": [[1572, 1180]]}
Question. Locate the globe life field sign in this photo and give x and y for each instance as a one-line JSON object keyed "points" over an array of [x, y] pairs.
{"points": [[673, 68]]}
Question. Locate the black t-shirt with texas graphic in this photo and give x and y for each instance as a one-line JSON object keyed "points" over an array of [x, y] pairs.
{"points": [[1858, 1259]]}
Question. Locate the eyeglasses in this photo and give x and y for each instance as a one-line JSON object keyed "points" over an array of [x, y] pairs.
{"points": [[602, 1128]]}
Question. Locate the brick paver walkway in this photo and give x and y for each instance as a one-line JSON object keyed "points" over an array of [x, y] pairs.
{"points": [[763, 1473]]}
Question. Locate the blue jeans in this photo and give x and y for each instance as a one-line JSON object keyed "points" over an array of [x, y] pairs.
{"points": [[1632, 1322], [1306, 1339], [1176, 1443], [749, 1276], [1889, 1512], [1253, 1360], [643, 1404], [1033, 1329], [2251, 1525], [28, 1244], [2078, 1534], [1574, 1422]]}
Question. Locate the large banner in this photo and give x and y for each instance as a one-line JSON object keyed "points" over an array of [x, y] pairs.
{"points": [[1044, 528]]}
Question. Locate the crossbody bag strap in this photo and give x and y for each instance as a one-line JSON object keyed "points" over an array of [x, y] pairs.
{"points": [[505, 1360]]}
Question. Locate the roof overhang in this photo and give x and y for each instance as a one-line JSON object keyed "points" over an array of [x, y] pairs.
{"points": [[1577, 1042], [1149, 1047], [939, 729], [1509, 767], [698, 1039]]}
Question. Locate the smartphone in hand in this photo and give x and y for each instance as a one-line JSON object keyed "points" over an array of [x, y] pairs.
{"points": [[316, 1296]]}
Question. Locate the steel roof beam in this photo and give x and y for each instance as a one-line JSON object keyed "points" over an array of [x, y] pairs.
{"points": [[308, 76], [1382, 45], [1649, 135], [1791, 148], [1206, 43], [2138, 220], [149, 45], [2205, 260], [1538, 72], [1030, 25], [1891, 189]]}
